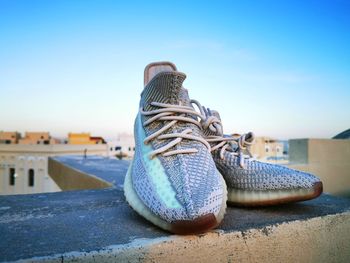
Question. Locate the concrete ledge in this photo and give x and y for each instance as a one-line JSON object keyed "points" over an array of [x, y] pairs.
{"points": [[100, 172], [68, 178], [98, 226], [314, 240]]}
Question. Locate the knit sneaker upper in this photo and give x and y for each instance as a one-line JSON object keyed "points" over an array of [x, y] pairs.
{"points": [[242, 172], [179, 186]]}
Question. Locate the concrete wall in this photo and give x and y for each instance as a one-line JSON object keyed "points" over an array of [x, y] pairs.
{"points": [[323, 239], [327, 158], [25, 157], [99, 226], [298, 151], [22, 164], [68, 178]]}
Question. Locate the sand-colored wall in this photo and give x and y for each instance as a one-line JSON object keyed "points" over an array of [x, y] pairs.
{"points": [[35, 138], [13, 137], [327, 158]]}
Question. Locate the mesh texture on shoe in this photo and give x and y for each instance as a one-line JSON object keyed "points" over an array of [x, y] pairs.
{"points": [[259, 175], [193, 178], [256, 175]]}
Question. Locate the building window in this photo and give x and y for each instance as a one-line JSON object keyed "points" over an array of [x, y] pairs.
{"points": [[31, 177], [267, 150], [118, 148], [12, 176], [129, 149]]}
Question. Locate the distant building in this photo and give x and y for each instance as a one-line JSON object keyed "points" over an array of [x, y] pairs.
{"points": [[79, 138], [24, 167], [23, 161], [98, 140], [84, 138], [123, 146], [37, 138], [267, 149], [9, 137]]}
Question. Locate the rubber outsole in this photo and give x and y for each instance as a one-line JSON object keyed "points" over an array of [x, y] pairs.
{"points": [[237, 197], [184, 227]]}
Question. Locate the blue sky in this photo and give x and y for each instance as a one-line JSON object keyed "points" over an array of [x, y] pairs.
{"points": [[277, 68]]}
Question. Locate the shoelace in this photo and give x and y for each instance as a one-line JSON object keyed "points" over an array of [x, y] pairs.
{"points": [[174, 114], [236, 145], [228, 143]]}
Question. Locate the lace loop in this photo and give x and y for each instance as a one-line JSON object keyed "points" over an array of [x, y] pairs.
{"points": [[235, 145], [167, 113], [208, 119]]}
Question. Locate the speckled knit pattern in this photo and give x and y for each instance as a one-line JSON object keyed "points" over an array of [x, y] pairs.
{"points": [[146, 189], [256, 175], [260, 176], [193, 177]]}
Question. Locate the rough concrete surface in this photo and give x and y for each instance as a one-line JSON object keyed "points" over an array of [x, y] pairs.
{"points": [[314, 240], [98, 225]]}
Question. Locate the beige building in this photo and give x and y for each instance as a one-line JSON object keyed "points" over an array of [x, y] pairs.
{"points": [[31, 138], [9, 137], [267, 149], [327, 158], [24, 167]]}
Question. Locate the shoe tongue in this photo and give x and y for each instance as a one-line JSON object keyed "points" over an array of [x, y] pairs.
{"points": [[165, 87]]}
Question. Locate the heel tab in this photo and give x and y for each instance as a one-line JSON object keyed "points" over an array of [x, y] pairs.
{"points": [[154, 68]]}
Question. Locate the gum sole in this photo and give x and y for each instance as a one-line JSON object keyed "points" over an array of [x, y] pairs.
{"points": [[267, 198], [183, 227]]}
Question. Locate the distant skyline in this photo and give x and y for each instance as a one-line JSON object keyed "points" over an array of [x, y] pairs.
{"points": [[277, 68]]}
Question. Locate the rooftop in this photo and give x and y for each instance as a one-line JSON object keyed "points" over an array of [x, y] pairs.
{"points": [[80, 224]]}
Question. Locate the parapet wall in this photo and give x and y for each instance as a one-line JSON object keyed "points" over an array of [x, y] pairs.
{"points": [[327, 158], [68, 178], [319, 151], [316, 240], [99, 226]]}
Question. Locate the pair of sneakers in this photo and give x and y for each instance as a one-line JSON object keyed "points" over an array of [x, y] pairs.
{"points": [[185, 169]]}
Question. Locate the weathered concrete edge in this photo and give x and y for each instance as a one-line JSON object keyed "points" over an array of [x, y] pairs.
{"points": [[321, 239], [66, 177]]}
